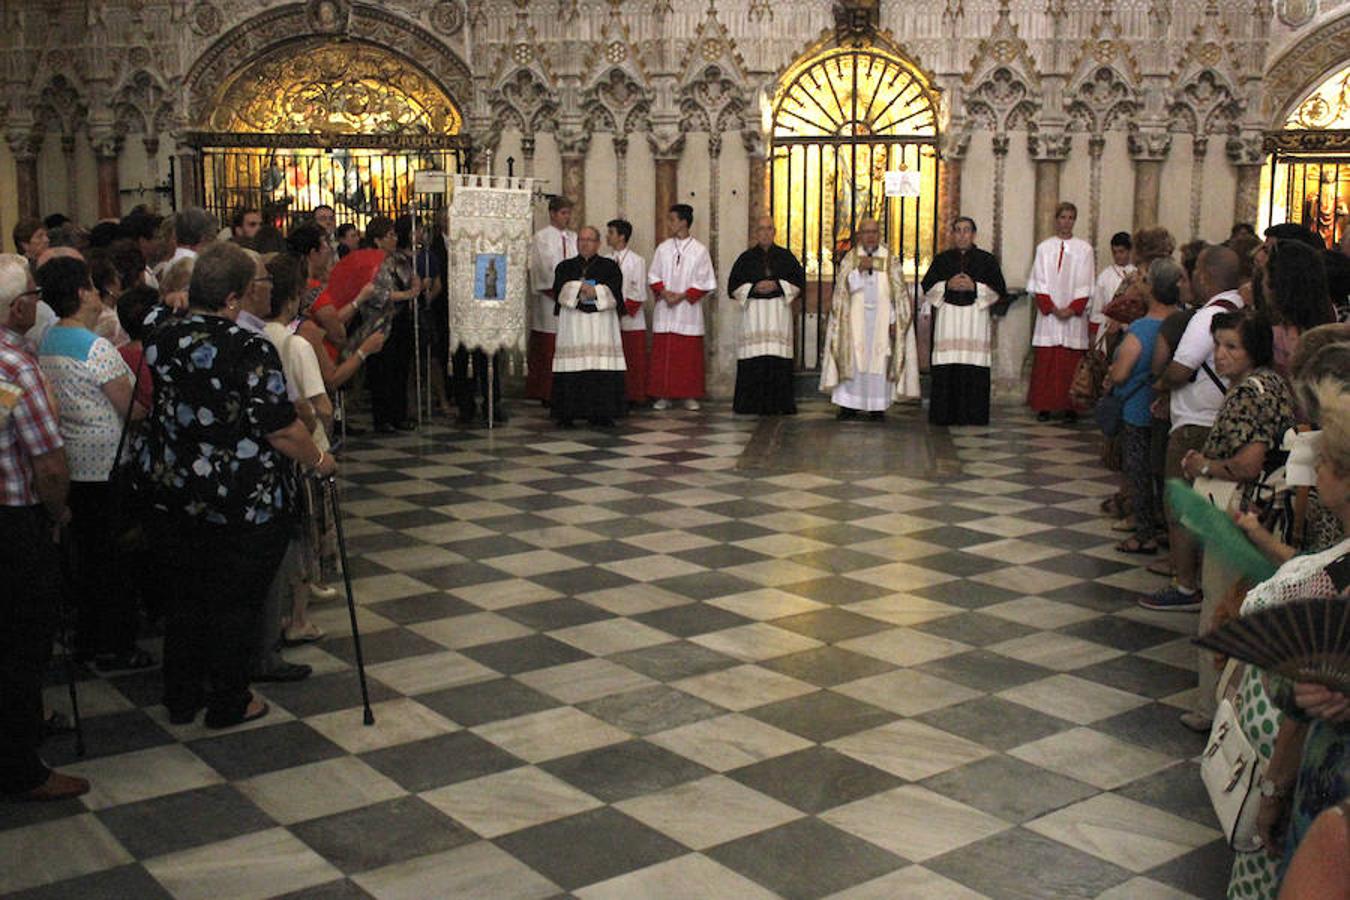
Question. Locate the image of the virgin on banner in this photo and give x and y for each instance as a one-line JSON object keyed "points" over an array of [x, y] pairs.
{"points": [[489, 245]]}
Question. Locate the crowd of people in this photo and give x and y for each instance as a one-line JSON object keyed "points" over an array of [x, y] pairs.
{"points": [[166, 383], [1230, 370]]}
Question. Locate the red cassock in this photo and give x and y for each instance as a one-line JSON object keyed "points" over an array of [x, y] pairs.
{"points": [[675, 371], [1052, 368], [539, 363], [635, 358]]}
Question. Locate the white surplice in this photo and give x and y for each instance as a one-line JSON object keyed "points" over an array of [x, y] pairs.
{"points": [[1064, 271], [681, 264], [550, 246], [962, 335], [634, 269], [766, 322], [588, 342]]}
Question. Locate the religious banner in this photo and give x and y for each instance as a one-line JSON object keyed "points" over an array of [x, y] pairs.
{"points": [[489, 246]]}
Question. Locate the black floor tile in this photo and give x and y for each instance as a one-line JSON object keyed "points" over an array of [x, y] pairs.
{"points": [[435, 762], [620, 771], [422, 608], [107, 735], [585, 579], [806, 859], [827, 666], [815, 779], [651, 709], [590, 847], [835, 590], [966, 594], [525, 654], [691, 619], [244, 754], [386, 645], [1156, 726], [984, 670], [486, 701], [460, 575], [1177, 790], [990, 866], [721, 556], [382, 834], [1008, 788], [549, 615], [1122, 634], [994, 722], [1138, 675], [975, 628], [325, 693], [706, 585], [673, 661], [183, 820], [831, 625], [1203, 872], [120, 883]]}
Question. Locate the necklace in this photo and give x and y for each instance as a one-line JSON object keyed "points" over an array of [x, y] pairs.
{"points": [[680, 248]]}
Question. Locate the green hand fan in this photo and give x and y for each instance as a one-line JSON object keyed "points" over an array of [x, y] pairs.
{"points": [[1218, 532]]}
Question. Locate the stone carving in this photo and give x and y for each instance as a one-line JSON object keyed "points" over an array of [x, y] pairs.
{"points": [[1149, 145], [1102, 101], [526, 100], [617, 102], [141, 105], [1296, 13], [205, 19], [328, 16], [447, 17], [1048, 145], [1245, 149], [712, 103], [1206, 104], [1302, 66], [1002, 102]]}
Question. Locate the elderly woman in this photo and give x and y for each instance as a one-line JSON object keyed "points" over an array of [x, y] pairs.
{"points": [[396, 288], [1302, 732], [93, 390], [211, 476]]}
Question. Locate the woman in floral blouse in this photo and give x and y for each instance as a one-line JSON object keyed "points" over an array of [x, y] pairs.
{"points": [[212, 482]]}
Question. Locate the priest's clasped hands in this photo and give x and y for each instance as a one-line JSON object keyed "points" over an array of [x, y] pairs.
{"points": [[961, 282], [672, 298], [765, 286]]}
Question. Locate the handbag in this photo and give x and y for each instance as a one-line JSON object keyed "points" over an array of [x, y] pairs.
{"points": [[1088, 375], [1231, 772], [1125, 307], [1109, 413]]}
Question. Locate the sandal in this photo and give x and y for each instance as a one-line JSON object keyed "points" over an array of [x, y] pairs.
{"points": [[296, 637], [1134, 546], [249, 714], [124, 662], [1125, 525], [1162, 567]]}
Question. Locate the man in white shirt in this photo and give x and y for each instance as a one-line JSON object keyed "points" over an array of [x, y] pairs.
{"points": [[633, 322], [1197, 392], [552, 244], [1109, 279], [1060, 283], [193, 229], [681, 274]]}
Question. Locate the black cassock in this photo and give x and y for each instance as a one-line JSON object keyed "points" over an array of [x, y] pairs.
{"points": [[764, 383], [959, 393], [597, 395]]}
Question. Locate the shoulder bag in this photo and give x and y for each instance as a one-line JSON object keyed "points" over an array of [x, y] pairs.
{"points": [[1231, 769]]}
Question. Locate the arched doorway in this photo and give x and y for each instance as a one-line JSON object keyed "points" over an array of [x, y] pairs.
{"points": [[1307, 175], [319, 121], [842, 119]]}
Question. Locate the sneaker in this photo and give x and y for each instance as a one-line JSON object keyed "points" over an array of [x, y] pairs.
{"points": [[1201, 724], [692, 405], [660, 404], [1172, 600]]}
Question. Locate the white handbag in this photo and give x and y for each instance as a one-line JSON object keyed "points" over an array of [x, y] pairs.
{"points": [[1231, 771]]}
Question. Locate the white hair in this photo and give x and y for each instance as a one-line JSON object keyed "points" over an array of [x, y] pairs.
{"points": [[13, 281]]}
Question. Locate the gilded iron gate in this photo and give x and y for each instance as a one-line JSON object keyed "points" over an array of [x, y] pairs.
{"points": [[842, 121]]}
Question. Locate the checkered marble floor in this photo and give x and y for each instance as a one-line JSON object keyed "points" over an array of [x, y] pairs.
{"points": [[653, 663]]}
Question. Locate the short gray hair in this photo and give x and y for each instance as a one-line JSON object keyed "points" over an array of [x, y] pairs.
{"points": [[13, 281], [194, 225], [221, 269], [1164, 279]]}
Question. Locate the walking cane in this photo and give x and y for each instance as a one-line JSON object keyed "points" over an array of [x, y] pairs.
{"points": [[68, 637], [331, 484]]}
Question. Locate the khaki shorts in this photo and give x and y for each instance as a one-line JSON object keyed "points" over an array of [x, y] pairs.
{"points": [[1180, 442]]}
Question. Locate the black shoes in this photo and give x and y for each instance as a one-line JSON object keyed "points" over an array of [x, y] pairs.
{"points": [[1042, 416], [286, 672], [845, 414]]}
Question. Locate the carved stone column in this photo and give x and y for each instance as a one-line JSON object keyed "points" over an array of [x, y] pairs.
{"points": [[1000, 147], [667, 144], [189, 177], [72, 176], [621, 175], [757, 191], [107, 150], [956, 143], [1247, 154], [572, 145], [1096, 147], [1149, 151], [1048, 150], [527, 151], [24, 145]]}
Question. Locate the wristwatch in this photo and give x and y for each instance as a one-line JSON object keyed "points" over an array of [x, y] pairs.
{"points": [[1271, 789]]}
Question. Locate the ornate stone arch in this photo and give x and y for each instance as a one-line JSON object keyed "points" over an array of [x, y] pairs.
{"points": [[1002, 101], [1303, 67], [616, 100], [1206, 103], [1101, 99], [271, 31], [60, 107], [712, 101], [142, 104], [523, 99]]}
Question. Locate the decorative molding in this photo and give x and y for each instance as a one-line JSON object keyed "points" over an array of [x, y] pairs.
{"points": [[1048, 146], [1149, 145], [1302, 67]]}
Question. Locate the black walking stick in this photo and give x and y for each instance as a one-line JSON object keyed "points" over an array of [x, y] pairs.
{"points": [[66, 616], [331, 484]]}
